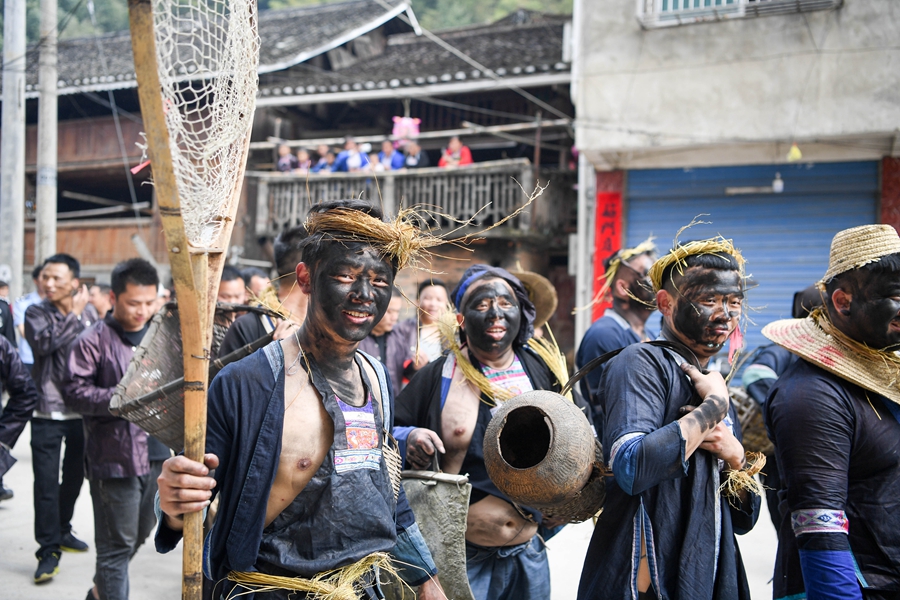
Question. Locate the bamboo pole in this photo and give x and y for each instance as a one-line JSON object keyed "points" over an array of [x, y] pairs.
{"points": [[189, 273]]}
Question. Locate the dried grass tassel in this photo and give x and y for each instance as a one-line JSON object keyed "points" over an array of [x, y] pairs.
{"points": [[743, 480]]}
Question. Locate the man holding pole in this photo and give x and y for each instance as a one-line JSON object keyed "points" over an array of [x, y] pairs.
{"points": [[298, 437]]}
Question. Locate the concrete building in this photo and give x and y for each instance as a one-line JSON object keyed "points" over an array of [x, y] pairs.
{"points": [[690, 107]]}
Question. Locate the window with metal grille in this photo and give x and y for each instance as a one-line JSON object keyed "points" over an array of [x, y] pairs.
{"points": [[666, 13]]}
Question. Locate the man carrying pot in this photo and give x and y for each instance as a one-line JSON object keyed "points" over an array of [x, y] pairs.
{"points": [[671, 437], [445, 409], [834, 416]]}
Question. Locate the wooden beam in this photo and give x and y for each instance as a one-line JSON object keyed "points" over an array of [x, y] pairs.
{"points": [[467, 129], [97, 212], [90, 198]]}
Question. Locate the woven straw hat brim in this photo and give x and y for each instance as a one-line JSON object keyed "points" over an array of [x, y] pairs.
{"points": [[858, 246], [807, 340], [542, 294]]}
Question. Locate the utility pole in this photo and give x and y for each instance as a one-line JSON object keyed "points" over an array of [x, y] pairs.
{"points": [[12, 148], [45, 229]]}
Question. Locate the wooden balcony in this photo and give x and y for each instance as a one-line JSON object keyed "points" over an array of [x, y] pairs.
{"points": [[483, 193]]}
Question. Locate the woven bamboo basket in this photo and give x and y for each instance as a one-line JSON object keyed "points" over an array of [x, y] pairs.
{"points": [[752, 426], [151, 394]]}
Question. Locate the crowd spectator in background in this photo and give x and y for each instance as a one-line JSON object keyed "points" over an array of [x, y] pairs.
{"points": [[350, 159], [433, 300], [16, 381], [256, 280], [416, 158], [121, 460], [393, 343], [250, 327], [232, 286], [50, 327], [390, 158], [303, 160], [455, 154], [99, 298], [4, 291], [287, 162], [20, 306], [323, 163], [7, 327]]}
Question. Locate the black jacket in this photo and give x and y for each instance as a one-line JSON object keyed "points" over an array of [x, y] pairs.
{"points": [[23, 396]]}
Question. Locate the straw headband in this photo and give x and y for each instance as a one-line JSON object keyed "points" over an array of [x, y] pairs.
{"points": [[677, 256], [858, 246]]}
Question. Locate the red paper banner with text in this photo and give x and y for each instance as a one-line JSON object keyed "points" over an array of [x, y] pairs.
{"points": [[607, 240]]}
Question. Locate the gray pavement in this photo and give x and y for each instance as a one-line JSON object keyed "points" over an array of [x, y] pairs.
{"points": [[158, 577]]}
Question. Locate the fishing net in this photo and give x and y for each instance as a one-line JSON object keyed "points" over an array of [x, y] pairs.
{"points": [[207, 57]]}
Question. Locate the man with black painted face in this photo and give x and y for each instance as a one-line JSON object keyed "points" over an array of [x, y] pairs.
{"points": [[834, 416], [670, 437], [297, 434], [443, 413], [623, 324]]}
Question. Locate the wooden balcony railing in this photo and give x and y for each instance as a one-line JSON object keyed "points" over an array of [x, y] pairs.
{"points": [[483, 193]]}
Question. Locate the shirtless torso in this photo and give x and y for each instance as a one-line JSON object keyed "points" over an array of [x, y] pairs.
{"points": [[491, 521], [308, 431]]}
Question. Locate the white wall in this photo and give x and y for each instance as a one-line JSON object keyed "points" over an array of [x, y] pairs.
{"points": [[737, 91]]}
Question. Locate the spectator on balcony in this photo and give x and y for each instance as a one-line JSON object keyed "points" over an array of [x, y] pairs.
{"points": [[287, 162], [325, 163], [455, 154], [350, 159], [303, 161], [389, 157], [416, 158], [322, 151]]}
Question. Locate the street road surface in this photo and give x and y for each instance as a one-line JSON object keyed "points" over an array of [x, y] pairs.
{"points": [[158, 576]]}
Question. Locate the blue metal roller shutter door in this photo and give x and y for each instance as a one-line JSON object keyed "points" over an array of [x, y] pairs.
{"points": [[784, 237]]}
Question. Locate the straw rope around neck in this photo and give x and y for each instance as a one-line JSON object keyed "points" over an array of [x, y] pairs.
{"points": [[890, 359]]}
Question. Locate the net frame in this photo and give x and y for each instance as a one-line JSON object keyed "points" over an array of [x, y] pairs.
{"points": [[189, 141]]}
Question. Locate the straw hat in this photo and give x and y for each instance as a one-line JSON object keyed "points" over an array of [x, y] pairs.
{"points": [[808, 339], [852, 248], [541, 293]]}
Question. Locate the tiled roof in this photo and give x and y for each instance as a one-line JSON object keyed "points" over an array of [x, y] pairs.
{"points": [[287, 36], [523, 43]]}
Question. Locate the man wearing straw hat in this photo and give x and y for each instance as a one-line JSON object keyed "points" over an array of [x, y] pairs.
{"points": [[623, 324], [445, 411], [835, 419], [671, 440], [298, 435]]}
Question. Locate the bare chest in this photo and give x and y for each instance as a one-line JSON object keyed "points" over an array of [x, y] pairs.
{"points": [[458, 419]]}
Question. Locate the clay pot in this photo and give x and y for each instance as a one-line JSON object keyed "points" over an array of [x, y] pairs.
{"points": [[539, 449]]}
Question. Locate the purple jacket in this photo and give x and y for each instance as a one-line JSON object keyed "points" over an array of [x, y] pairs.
{"points": [[113, 447], [50, 334], [400, 343]]}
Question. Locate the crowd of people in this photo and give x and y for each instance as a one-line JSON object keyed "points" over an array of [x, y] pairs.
{"points": [[355, 157], [305, 435]]}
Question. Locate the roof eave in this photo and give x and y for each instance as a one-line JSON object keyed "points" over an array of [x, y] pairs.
{"points": [[338, 41], [438, 89]]}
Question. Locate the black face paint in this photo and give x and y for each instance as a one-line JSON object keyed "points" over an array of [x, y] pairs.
{"points": [[351, 291], [707, 308], [491, 316], [875, 311]]}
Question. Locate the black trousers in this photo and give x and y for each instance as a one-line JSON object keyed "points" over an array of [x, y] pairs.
{"points": [[54, 502]]}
